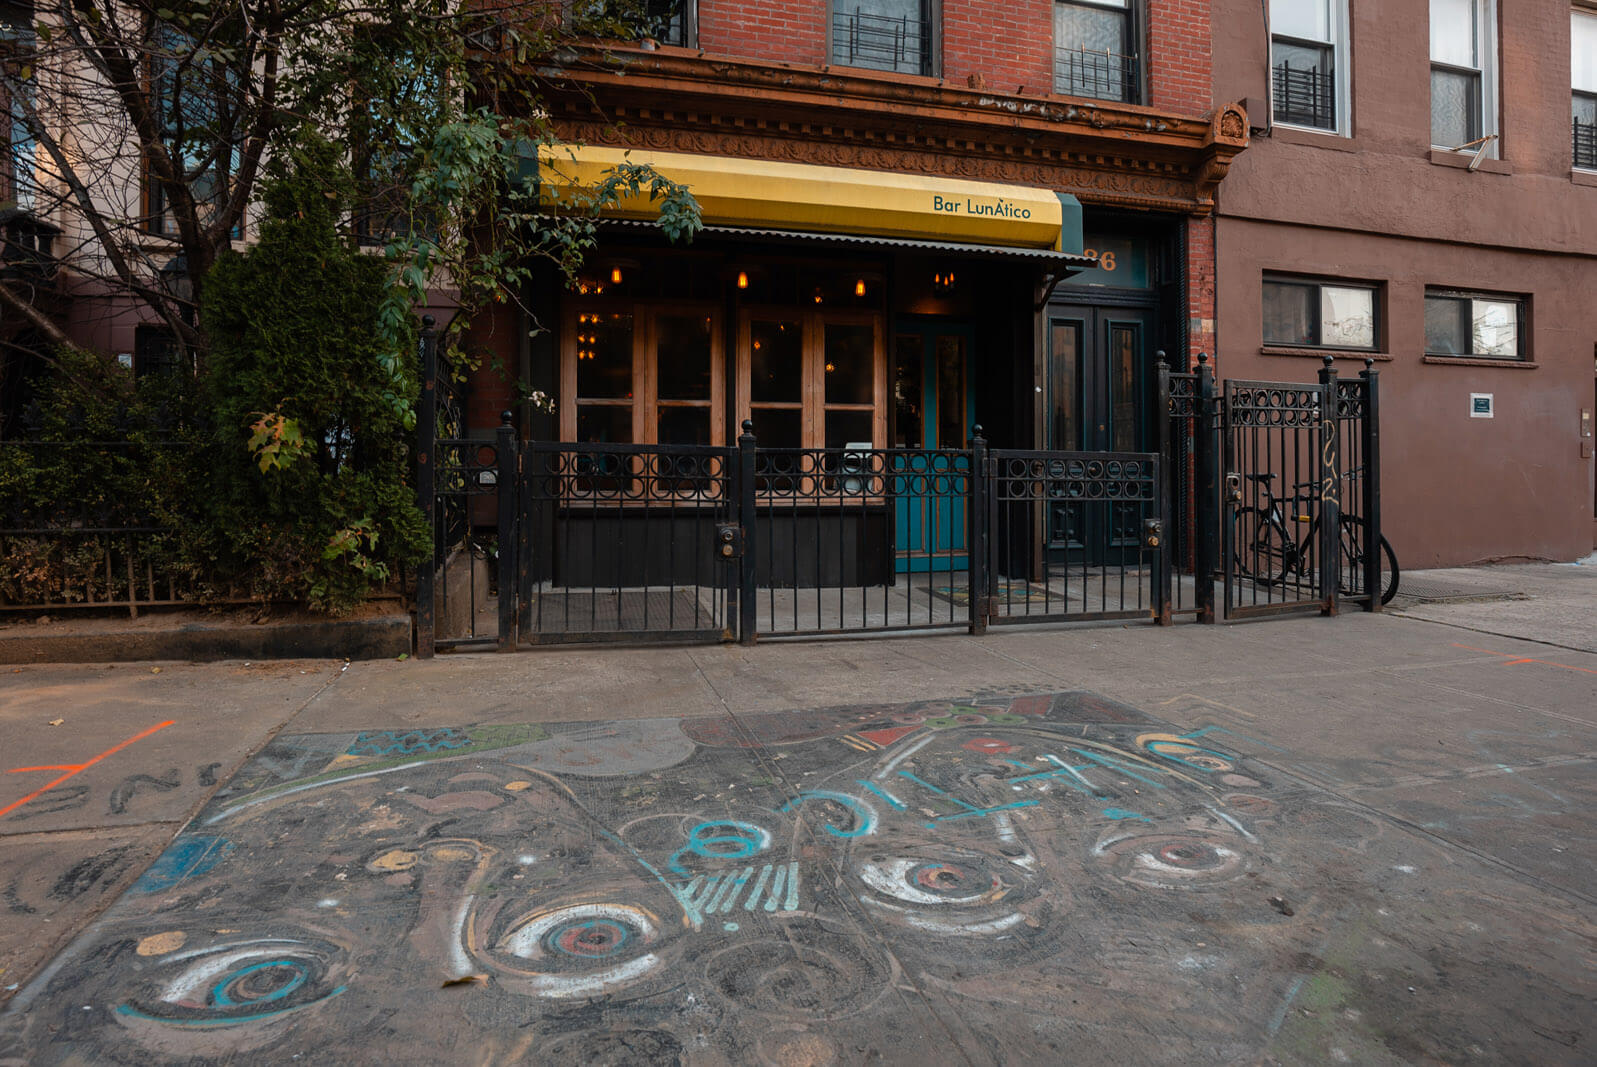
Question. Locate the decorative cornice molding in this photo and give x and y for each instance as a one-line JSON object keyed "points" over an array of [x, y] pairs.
{"points": [[1104, 153]]}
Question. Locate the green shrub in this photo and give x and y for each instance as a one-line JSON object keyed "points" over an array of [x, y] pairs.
{"points": [[306, 494]]}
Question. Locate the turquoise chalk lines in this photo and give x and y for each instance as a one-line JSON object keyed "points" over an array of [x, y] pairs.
{"points": [[773, 887]]}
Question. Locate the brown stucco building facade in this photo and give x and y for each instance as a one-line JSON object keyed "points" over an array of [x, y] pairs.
{"points": [[1353, 196]]}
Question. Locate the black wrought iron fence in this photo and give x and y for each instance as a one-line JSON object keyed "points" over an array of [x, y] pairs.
{"points": [[69, 538], [1279, 443], [1187, 450], [859, 540], [1075, 536], [560, 541], [623, 541]]}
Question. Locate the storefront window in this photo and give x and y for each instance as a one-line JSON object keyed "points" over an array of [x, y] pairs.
{"points": [[643, 375], [814, 380]]}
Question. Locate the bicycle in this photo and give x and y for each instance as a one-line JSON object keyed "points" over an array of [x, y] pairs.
{"points": [[1264, 550]]}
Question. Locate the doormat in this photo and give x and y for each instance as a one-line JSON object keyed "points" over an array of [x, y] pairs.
{"points": [[1009, 592]]}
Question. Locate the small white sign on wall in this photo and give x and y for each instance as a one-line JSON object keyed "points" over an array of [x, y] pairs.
{"points": [[1480, 405]]}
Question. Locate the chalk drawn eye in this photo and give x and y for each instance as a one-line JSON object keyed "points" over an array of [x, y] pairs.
{"points": [[582, 949], [1173, 861], [932, 882], [241, 982], [956, 895]]}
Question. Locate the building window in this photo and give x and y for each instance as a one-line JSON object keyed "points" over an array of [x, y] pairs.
{"points": [[883, 35], [1095, 50], [813, 379], [1474, 324], [1583, 77], [672, 22], [193, 97], [1312, 314], [17, 182], [384, 137], [1308, 63], [643, 374], [155, 351], [1463, 73]]}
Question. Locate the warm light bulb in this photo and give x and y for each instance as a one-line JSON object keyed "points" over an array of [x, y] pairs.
{"points": [[615, 275], [859, 287], [743, 280], [830, 368], [817, 295]]}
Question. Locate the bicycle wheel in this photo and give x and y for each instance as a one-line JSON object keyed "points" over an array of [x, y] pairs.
{"points": [[1350, 561], [1261, 549]]}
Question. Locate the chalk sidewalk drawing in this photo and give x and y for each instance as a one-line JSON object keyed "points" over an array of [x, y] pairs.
{"points": [[1021, 877]]}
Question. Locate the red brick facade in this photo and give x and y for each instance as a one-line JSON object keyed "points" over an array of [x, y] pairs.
{"points": [[1007, 48]]}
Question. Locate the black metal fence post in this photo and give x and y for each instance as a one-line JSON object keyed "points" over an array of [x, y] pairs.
{"points": [[978, 529], [505, 480], [1167, 475], [1330, 477], [1206, 443], [527, 527], [426, 467], [748, 607], [1373, 580]]}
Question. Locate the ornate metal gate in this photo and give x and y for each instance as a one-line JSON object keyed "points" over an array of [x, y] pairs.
{"points": [[543, 542]]}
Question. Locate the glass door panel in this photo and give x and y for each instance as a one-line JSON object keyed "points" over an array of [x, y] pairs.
{"points": [[684, 376], [848, 393], [1064, 384], [951, 426], [776, 381], [908, 382], [1122, 384]]}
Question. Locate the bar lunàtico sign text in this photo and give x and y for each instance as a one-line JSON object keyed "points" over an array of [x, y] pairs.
{"points": [[1000, 208]]}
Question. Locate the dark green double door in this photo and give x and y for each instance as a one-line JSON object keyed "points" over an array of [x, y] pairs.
{"points": [[1100, 381]]}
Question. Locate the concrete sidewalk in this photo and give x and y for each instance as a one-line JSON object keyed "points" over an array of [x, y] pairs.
{"points": [[1407, 877]]}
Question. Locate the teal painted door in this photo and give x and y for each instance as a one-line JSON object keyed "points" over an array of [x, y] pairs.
{"points": [[934, 408]]}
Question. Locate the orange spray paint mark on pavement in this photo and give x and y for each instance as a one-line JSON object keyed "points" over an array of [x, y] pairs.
{"points": [[1514, 661], [74, 768]]}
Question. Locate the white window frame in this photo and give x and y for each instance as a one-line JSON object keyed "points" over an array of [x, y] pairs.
{"points": [[1487, 63], [1341, 65], [1579, 11]]}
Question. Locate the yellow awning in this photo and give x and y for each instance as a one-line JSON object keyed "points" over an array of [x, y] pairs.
{"points": [[804, 197]]}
